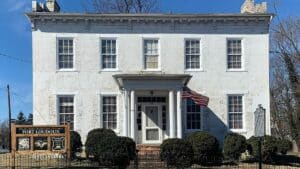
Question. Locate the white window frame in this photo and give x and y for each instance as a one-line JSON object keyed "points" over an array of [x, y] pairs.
{"points": [[200, 55], [158, 52], [101, 57], [242, 55], [58, 96], [117, 109], [242, 130], [57, 54], [185, 118]]}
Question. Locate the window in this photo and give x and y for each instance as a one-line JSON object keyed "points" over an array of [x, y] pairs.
{"points": [[151, 54], [192, 54], [193, 115], [109, 112], [66, 110], [234, 54], [235, 112], [65, 54], [108, 54]]}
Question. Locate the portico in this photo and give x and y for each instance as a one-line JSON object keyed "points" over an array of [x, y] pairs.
{"points": [[152, 106]]}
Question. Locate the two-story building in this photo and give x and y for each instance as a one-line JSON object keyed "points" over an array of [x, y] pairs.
{"points": [[129, 72]]}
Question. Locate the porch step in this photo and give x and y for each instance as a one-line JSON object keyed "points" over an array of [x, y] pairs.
{"points": [[148, 149]]}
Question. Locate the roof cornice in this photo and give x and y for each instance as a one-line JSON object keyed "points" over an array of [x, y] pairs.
{"points": [[179, 18]]}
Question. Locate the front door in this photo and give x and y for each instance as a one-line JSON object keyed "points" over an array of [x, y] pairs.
{"points": [[151, 124]]}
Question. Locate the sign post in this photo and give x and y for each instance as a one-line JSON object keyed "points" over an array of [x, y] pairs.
{"points": [[260, 129]]}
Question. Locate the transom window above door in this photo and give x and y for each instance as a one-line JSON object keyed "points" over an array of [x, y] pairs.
{"points": [[108, 54], [151, 55]]}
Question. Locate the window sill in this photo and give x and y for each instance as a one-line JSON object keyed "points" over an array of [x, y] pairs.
{"points": [[194, 70], [109, 70], [192, 130], [239, 131], [151, 70], [67, 70], [236, 70]]}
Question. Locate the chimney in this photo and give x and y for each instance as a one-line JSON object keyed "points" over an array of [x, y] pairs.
{"points": [[37, 7], [52, 6], [249, 7]]}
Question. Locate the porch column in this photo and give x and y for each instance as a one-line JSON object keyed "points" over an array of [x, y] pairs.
{"points": [[125, 110], [179, 115], [171, 114], [132, 115]]}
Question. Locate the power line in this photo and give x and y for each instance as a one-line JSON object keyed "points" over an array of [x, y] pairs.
{"points": [[16, 58]]}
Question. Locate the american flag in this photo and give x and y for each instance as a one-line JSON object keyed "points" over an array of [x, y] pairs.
{"points": [[196, 97]]}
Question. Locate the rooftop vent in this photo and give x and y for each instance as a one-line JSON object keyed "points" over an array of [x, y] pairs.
{"points": [[49, 6], [250, 7]]}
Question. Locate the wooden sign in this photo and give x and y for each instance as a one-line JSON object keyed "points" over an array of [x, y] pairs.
{"points": [[40, 139]]}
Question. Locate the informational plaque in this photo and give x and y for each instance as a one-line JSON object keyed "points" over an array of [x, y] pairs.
{"points": [[23, 143], [42, 139], [260, 122], [58, 143], [40, 143]]}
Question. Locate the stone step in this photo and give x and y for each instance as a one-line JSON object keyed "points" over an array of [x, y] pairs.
{"points": [[148, 149]]}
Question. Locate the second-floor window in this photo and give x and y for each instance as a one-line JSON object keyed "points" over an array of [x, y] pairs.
{"points": [[192, 54], [151, 55], [234, 54], [108, 54], [65, 54]]}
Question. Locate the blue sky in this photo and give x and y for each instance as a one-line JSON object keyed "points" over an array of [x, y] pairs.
{"points": [[15, 40]]}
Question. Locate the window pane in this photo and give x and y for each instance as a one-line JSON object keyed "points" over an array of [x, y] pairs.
{"points": [[109, 111], [66, 110], [234, 54], [65, 54], [193, 115], [235, 108], [108, 53], [151, 54], [192, 54]]}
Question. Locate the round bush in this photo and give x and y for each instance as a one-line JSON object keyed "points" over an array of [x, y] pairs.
{"points": [[177, 153], [131, 146], [284, 145], [269, 148], [75, 143], [95, 137], [206, 148], [234, 146]]}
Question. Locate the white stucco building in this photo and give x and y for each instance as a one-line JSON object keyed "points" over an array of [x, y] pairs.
{"points": [[127, 71]]}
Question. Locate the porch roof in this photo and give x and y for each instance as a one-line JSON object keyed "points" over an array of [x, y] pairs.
{"points": [[183, 79]]}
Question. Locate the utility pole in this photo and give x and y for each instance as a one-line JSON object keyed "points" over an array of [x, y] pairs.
{"points": [[9, 117]]}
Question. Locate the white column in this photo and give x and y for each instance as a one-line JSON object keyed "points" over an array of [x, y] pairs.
{"points": [[179, 115], [125, 115], [171, 114], [132, 115]]}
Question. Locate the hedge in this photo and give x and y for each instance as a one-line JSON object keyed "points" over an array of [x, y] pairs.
{"points": [[177, 153], [75, 143], [234, 146]]}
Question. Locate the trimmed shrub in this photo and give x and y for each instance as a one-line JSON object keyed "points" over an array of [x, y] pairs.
{"points": [[284, 145], [269, 148], [96, 137], [177, 153], [234, 146], [75, 143], [206, 148], [131, 146], [107, 149]]}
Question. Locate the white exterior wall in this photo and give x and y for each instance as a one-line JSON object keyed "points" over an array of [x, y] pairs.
{"points": [[87, 82]]}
